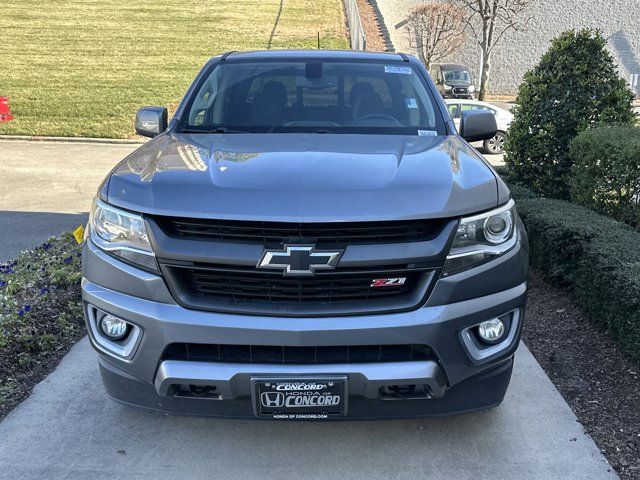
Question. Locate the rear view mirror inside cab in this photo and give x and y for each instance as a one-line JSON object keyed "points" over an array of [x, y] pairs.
{"points": [[313, 70]]}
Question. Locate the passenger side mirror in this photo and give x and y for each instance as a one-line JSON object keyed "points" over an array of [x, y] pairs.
{"points": [[477, 125], [151, 121]]}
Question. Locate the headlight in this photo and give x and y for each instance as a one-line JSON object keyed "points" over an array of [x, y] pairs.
{"points": [[122, 234], [482, 237], [447, 87], [471, 88]]}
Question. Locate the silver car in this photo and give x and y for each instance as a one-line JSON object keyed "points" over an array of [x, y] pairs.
{"points": [[495, 144], [309, 237]]}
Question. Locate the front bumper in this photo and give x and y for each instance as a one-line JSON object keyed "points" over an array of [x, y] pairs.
{"points": [[467, 96], [455, 380], [483, 391]]}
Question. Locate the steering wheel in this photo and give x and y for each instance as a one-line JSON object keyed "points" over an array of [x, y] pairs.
{"points": [[379, 120]]}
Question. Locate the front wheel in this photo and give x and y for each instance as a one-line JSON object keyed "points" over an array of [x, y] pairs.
{"points": [[495, 144]]}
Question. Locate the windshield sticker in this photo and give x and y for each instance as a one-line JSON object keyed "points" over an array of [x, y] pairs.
{"points": [[397, 69], [411, 102], [427, 133]]}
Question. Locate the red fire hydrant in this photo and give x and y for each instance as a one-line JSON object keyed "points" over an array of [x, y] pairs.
{"points": [[5, 113]]}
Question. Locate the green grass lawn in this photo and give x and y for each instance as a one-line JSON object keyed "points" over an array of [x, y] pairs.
{"points": [[83, 67]]}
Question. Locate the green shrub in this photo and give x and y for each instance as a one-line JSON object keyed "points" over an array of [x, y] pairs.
{"points": [[519, 192], [597, 257], [574, 86], [606, 171]]}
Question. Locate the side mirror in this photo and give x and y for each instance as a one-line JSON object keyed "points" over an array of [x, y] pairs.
{"points": [[477, 125], [151, 121]]}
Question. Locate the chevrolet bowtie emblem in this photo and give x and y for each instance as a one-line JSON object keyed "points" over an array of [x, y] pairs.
{"points": [[300, 259]]}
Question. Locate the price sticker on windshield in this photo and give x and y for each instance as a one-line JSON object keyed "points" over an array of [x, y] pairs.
{"points": [[397, 69]]}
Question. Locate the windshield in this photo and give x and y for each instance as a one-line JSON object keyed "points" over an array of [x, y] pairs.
{"points": [[313, 96], [457, 76]]}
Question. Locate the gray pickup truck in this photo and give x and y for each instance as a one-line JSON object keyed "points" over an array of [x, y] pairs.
{"points": [[308, 238]]}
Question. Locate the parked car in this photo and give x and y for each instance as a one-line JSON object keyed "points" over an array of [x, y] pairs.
{"points": [[308, 238], [453, 81], [503, 117]]}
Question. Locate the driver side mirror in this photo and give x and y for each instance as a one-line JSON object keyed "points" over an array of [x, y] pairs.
{"points": [[151, 121], [477, 125]]}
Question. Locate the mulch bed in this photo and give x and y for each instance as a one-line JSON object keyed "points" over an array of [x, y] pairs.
{"points": [[24, 378], [600, 384], [40, 316]]}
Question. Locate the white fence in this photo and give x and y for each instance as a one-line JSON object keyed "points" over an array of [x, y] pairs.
{"points": [[356, 32]]}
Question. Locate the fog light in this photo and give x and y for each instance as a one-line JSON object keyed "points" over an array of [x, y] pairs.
{"points": [[491, 331], [113, 327]]}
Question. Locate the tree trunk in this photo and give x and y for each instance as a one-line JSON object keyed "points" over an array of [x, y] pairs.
{"points": [[423, 59], [488, 26], [484, 76]]}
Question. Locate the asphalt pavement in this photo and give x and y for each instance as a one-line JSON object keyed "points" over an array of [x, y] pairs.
{"points": [[47, 188], [69, 428]]}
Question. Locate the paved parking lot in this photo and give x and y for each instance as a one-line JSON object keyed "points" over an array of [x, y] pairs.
{"points": [[69, 429], [47, 188]]}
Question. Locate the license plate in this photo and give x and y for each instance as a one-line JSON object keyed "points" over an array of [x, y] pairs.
{"points": [[308, 398]]}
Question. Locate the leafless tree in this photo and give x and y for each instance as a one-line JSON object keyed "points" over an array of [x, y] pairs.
{"points": [[435, 30], [489, 20]]}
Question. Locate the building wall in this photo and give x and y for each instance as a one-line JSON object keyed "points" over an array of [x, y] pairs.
{"points": [[520, 51]]}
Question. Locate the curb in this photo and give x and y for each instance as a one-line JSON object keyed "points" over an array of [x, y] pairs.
{"points": [[35, 138]]}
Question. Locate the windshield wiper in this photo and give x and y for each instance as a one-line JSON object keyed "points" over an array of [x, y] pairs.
{"points": [[226, 130], [213, 130]]}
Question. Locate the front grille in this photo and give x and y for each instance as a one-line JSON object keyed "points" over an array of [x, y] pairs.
{"points": [[249, 290], [267, 354], [328, 233], [247, 285]]}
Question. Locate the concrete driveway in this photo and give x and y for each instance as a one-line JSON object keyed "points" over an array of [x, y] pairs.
{"points": [[69, 429]]}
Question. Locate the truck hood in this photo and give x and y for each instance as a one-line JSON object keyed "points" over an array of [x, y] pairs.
{"points": [[304, 177], [457, 83]]}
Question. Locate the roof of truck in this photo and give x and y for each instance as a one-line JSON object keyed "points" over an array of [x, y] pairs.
{"points": [[320, 54]]}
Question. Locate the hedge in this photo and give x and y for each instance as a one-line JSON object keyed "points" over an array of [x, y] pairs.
{"points": [[596, 257], [606, 171]]}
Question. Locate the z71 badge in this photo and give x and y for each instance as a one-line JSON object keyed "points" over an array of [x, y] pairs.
{"points": [[388, 282]]}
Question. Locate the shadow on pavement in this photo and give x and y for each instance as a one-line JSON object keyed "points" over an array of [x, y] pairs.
{"points": [[25, 230]]}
